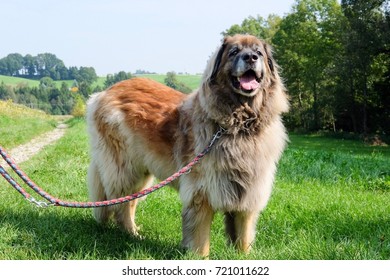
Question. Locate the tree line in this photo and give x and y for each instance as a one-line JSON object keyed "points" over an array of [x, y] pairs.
{"points": [[44, 65], [335, 60]]}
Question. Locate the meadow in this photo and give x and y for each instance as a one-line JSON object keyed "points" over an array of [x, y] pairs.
{"points": [[191, 81], [331, 200], [15, 81], [19, 124]]}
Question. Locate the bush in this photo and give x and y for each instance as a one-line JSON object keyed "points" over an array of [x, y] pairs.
{"points": [[79, 108]]}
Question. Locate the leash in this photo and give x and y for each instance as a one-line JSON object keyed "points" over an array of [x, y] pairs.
{"points": [[52, 201]]}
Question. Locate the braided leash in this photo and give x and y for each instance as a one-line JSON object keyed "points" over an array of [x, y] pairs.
{"points": [[52, 201]]}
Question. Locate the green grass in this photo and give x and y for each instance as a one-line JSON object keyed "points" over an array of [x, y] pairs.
{"points": [[335, 194], [331, 201], [15, 81], [191, 81], [100, 82], [19, 124]]}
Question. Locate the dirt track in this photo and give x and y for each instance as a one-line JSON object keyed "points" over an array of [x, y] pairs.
{"points": [[26, 151]]}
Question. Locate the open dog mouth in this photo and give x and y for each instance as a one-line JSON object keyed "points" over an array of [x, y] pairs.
{"points": [[247, 82]]}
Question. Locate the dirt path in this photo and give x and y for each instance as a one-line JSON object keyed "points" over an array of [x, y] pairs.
{"points": [[26, 151]]}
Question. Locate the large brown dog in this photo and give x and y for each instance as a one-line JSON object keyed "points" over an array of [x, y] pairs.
{"points": [[140, 128]]}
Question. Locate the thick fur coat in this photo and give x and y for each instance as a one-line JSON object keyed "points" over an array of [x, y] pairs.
{"points": [[139, 129]]}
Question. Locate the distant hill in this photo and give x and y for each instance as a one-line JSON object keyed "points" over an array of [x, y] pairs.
{"points": [[14, 81], [191, 81], [56, 99]]}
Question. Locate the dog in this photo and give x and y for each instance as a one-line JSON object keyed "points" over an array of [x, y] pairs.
{"points": [[140, 129]]}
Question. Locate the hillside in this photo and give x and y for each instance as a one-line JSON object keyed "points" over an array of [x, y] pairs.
{"points": [[60, 97], [18, 123], [191, 81], [14, 81]]}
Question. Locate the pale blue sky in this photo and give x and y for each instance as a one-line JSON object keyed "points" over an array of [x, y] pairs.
{"points": [[115, 35]]}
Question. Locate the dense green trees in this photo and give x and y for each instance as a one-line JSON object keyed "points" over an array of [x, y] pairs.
{"points": [[335, 61], [46, 97], [117, 77], [258, 26], [307, 41], [364, 64]]}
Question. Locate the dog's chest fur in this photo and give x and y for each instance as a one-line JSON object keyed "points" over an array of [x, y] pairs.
{"points": [[238, 172]]}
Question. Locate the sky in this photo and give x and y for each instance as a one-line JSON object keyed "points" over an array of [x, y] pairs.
{"points": [[126, 35]]}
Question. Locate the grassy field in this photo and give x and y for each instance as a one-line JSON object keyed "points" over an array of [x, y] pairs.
{"points": [[15, 81], [191, 81], [331, 201], [19, 124]]}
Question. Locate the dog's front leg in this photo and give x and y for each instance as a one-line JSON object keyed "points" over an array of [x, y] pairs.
{"points": [[241, 229], [196, 221]]}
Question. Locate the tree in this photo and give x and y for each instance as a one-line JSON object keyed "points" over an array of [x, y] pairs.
{"points": [[3, 91], [306, 43], [172, 81], [117, 77], [366, 46], [11, 64], [73, 73], [46, 82], [87, 75], [79, 108], [257, 26], [47, 65], [7, 92], [62, 72], [85, 89], [29, 66]]}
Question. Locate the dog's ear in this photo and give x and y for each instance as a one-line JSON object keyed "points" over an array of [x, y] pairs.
{"points": [[270, 58], [271, 64], [217, 62]]}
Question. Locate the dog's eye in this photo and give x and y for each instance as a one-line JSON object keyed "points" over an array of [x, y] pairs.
{"points": [[259, 53], [233, 52]]}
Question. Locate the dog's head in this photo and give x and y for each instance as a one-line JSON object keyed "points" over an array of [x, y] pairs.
{"points": [[243, 63]]}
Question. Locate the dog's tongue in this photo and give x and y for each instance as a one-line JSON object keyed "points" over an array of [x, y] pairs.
{"points": [[248, 81]]}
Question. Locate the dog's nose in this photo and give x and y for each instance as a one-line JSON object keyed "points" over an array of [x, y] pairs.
{"points": [[250, 57]]}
